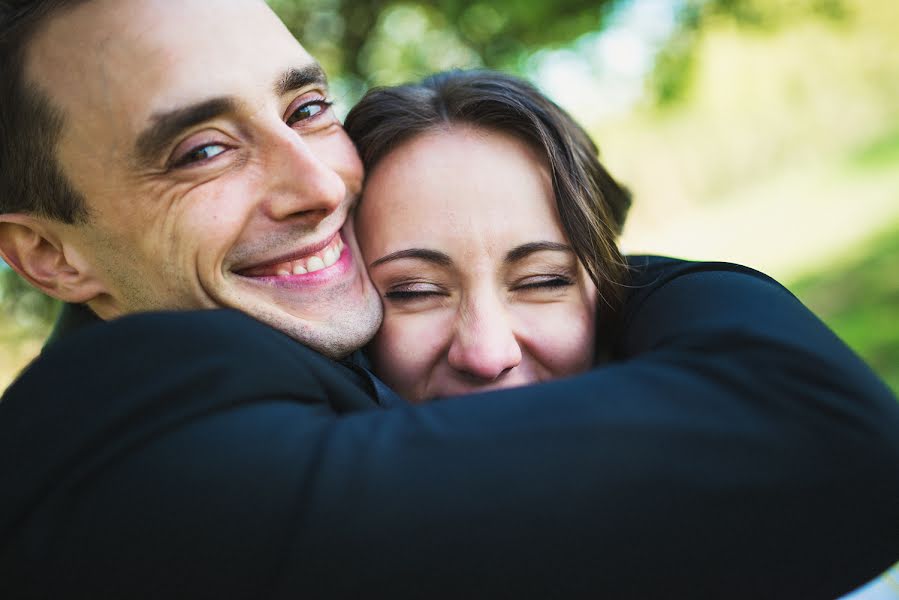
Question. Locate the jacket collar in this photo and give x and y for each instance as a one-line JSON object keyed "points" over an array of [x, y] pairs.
{"points": [[72, 317]]}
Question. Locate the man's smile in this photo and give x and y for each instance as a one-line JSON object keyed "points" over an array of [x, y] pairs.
{"points": [[324, 263], [308, 262]]}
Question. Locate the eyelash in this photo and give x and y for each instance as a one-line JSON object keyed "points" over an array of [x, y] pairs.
{"points": [[185, 162], [402, 295], [407, 295], [551, 282], [322, 103]]}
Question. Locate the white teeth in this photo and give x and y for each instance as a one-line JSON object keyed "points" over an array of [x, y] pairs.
{"points": [[329, 257], [314, 264]]}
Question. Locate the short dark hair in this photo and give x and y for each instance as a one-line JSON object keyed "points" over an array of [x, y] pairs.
{"points": [[591, 204], [31, 179]]}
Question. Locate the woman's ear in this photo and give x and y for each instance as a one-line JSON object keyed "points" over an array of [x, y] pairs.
{"points": [[33, 247]]}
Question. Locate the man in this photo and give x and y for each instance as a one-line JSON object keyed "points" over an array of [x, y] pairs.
{"points": [[150, 224], [161, 157]]}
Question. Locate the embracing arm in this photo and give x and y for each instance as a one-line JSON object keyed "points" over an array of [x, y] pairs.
{"points": [[725, 456], [738, 450]]}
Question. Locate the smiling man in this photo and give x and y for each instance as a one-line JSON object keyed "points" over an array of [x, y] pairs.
{"points": [[221, 182], [161, 156]]}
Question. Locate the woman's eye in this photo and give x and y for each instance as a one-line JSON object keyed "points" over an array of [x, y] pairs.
{"points": [[414, 291], [307, 111], [200, 154], [544, 282]]}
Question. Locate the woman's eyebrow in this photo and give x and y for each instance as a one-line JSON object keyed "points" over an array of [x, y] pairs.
{"points": [[432, 256], [523, 251]]}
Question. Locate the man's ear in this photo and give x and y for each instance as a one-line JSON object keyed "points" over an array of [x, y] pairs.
{"points": [[33, 247]]}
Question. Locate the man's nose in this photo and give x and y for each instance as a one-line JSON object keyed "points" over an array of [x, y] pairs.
{"points": [[484, 344], [301, 179]]}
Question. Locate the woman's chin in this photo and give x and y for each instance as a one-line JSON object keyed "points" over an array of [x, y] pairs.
{"points": [[453, 389]]}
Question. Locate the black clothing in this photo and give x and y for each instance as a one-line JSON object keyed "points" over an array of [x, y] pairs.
{"points": [[734, 449]]}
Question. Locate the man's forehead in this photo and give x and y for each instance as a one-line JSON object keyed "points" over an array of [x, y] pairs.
{"points": [[128, 59]]}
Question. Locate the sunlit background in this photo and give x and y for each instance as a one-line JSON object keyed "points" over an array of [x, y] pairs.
{"points": [[757, 131]]}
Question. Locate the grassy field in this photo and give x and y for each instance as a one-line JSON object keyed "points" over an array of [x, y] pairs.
{"points": [[859, 299]]}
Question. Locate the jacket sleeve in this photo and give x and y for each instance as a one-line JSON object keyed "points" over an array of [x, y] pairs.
{"points": [[738, 449]]}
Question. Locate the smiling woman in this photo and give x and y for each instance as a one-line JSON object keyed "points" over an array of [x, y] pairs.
{"points": [[488, 226]]}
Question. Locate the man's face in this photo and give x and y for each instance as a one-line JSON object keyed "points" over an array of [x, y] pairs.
{"points": [[216, 174]]}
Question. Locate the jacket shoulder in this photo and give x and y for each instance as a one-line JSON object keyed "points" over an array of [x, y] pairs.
{"points": [[111, 384]]}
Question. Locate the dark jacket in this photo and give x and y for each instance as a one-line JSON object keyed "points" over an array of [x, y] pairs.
{"points": [[735, 448]]}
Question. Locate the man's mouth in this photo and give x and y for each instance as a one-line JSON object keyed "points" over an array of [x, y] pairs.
{"points": [[310, 263]]}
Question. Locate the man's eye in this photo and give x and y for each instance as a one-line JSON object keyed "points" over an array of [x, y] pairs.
{"points": [[200, 154], [309, 110]]}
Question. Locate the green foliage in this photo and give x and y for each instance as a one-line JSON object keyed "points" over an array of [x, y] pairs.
{"points": [[859, 300], [388, 41], [768, 14], [671, 77], [25, 320], [882, 151], [25, 309]]}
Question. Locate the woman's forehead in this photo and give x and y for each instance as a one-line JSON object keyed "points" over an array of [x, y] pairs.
{"points": [[469, 191], [446, 169]]}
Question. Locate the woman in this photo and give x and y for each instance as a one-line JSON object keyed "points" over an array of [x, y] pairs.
{"points": [[488, 226]]}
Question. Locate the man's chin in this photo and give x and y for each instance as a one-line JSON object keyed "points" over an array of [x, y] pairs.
{"points": [[334, 310], [333, 329]]}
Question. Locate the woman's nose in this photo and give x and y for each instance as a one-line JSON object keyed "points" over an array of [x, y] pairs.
{"points": [[484, 344]]}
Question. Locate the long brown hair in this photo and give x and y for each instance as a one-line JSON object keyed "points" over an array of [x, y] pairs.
{"points": [[591, 204]]}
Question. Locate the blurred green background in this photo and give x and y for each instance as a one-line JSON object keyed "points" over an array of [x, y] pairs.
{"points": [[756, 131]]}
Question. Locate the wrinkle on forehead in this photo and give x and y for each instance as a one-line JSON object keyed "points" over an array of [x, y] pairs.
{"points": [[126, 59]]}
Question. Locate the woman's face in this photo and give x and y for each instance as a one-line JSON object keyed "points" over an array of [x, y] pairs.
{"points": [[481, 289]]}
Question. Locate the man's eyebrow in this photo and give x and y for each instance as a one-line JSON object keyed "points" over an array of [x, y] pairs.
{"points": [[521, 252], [166, 126], [296, 78], [432, 256]]}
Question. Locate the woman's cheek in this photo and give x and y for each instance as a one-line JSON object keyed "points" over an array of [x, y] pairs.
{"points": [[576, 351], [407, 349], [559, 338]]}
